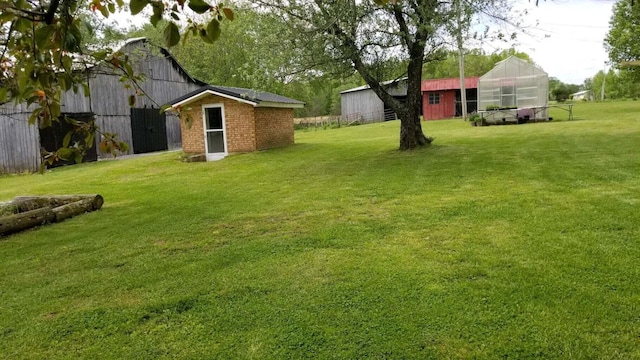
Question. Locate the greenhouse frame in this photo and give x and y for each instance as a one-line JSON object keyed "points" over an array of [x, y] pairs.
{"points": [[514, 91]]}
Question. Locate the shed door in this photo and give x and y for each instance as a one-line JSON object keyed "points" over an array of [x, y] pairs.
{"points": [[214, 132], [148, 130]]}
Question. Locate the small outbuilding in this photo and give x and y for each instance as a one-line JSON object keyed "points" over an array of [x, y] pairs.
{"points": [[363, 104], [220, 120], [584, 95], [441, 98], [512, 91]]}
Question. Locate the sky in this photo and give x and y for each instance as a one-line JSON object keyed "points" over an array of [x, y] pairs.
{"points": [[573, 50], [567, 43]]}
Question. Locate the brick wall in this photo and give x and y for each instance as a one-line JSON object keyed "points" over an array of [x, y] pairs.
{"points": [[274, 127], [247, 128], [239, 124]]}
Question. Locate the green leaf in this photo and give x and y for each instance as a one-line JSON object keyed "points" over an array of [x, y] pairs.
{"points": [[136, 6], [203, 36], [199, 6], [67, 139], [66, 153], [111, 7], [213, 30], [228, 13], [44, 36], [67, 63], [85, 89], [78, 157], [3, 94], [171, 34], [124, 147], [155, 19], [132, 100]]}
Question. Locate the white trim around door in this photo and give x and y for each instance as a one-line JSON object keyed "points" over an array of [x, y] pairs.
{"points": [[215, 133]]}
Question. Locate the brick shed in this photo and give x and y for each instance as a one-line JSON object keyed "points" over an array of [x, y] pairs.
{"points": [[232, 120]]}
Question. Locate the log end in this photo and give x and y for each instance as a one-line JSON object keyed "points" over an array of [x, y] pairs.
{"points": [[98, 201]]}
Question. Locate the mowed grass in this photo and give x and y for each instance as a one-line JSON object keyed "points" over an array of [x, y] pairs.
{"points": [[494, 242]]}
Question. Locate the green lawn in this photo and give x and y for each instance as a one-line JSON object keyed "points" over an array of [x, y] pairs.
{"points": [[494, 242]]}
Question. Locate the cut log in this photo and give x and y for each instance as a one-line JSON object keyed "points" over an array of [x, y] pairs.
{"points": [[73, 209], [26, 203], [7, 208], [25, 220]]}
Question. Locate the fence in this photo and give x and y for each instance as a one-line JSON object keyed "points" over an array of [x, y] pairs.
{"points": [[344, 120]]}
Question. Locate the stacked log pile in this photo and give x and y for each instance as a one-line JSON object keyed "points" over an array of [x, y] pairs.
{"points": [[25, 212]]}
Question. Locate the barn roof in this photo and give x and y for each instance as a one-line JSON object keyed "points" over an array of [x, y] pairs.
{"points": [[255, 98], [166, 54], [366, 87], [449, 84]]}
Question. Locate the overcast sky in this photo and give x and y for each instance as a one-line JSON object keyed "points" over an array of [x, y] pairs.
{"points": [[573, 50], [567, 43]]}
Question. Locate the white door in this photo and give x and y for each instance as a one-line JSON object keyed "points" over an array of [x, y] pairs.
{"points": [[214, 132]]}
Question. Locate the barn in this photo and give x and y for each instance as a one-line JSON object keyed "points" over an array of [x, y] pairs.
{"points": [[363, 105], [512, 91], [441, 98], [222, 120], [142, 126]]}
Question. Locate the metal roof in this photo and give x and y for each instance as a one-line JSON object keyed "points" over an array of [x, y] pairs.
{"points": [[366, 87], [449, 84], [255, 98]]}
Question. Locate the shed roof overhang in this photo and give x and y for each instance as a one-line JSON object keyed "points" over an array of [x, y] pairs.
{"points": [[246, 96]]}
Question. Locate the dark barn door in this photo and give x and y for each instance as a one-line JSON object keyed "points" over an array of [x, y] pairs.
{"points": [[52, 137], [148, 130]]}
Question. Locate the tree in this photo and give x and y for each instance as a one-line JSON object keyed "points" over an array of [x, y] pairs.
{"points": [[244, 58], [477, 63], [43, 44], [346, 36], [623, 40]]}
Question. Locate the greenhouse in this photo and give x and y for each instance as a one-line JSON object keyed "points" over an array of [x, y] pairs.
{"points": [[514, 91]]}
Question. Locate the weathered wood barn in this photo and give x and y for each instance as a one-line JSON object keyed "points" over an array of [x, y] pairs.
{"points": [[441, 98], [141, 126], [362, 104]]}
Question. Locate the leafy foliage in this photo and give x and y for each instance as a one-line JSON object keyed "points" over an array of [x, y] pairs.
{"points": [[343, 37], [44, 51], [622, 42]]}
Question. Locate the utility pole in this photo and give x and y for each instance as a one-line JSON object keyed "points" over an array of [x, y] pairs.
{"points": [[604, 80], [463, 89]]}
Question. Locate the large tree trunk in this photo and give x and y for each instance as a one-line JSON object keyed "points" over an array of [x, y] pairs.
{"points": [[411, 135]]}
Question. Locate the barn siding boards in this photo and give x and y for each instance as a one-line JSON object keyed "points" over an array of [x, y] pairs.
{"points": [[19, 141], [362, 104], [109, 101]]}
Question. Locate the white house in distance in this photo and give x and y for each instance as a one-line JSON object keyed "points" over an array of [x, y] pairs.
{"points": [[584, 95]]}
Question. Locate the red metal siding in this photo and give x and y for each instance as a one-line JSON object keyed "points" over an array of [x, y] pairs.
{"points": [[449, 84], [445, 109]]}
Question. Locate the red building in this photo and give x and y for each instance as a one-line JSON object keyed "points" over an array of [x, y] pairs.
{"points": [[441, 97]]}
